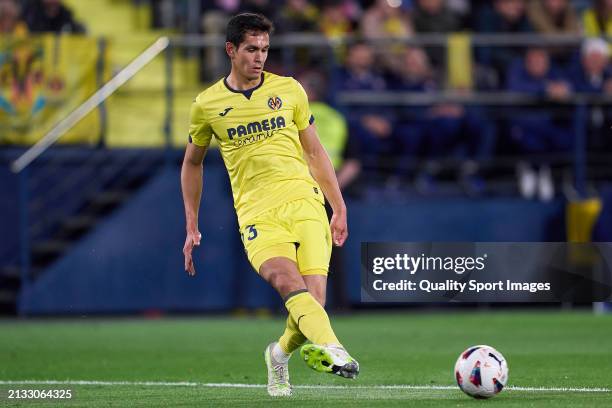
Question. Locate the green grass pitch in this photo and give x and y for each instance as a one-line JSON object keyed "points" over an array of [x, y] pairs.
{"points": [[180, 362]]}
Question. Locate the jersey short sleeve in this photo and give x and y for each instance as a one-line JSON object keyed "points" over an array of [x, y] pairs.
{"points": [[200, 131], [303, 116]]}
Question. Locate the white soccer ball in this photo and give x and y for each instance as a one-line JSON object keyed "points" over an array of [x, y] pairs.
{"points": [[481, 371]]}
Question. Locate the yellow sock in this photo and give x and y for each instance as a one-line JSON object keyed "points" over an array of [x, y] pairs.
{"points": [[292, 338], [311, 318]]}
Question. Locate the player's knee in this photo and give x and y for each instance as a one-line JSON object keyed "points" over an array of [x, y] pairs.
{"points": [[284, 283], [282, 278]]}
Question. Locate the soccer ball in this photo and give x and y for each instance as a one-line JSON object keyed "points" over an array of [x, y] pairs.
{"points": [[481, 371]]}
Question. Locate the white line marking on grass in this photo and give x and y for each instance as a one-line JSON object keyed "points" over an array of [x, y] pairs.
{"points": [[318, 387]]}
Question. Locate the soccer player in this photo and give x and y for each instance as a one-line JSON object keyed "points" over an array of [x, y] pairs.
{"points": [[279, 173]]}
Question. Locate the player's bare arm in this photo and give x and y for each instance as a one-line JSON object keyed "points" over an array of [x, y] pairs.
{"points": [[322, 171], [191, 186]]}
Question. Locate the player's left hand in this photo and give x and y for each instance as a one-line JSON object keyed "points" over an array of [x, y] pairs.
{"points": [[338, 227]]}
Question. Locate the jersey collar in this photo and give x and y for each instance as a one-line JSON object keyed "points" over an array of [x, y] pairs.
{"points": [[247, 92]]}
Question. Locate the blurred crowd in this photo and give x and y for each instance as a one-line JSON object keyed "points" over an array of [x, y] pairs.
{"points": [[376, 18], [410, 141], [475, 133], [18, 17]]}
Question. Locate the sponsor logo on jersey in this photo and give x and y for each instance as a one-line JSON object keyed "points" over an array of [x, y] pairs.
{"points": [[256, 127]]}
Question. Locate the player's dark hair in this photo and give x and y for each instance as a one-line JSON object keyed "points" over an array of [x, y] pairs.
{"points": [[244, 23]]}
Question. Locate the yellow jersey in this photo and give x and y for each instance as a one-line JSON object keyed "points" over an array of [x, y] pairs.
{"points": [[257, 133]]}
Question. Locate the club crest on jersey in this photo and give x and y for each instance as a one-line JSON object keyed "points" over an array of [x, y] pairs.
{"points": [[275, 103]]}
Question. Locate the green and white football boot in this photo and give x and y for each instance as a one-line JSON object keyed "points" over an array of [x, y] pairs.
{"points": [[333, 359]]}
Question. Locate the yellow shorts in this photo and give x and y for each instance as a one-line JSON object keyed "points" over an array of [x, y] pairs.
{"points": [[298, 230]]}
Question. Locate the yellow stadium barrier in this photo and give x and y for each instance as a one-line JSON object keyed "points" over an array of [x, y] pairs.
{"points": [[580, 219]]}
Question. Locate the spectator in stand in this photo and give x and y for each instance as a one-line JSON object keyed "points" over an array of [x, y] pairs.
{"points": [[337, 18], [555, 17], [504, 16], [359, 72], [593, 75], [383, 20], [441, 129], [415, 75], [433, 16], [297, 16], [51, 16], [597, 20], [10, 22], [371, 126], [333, 130], [537, 131]]}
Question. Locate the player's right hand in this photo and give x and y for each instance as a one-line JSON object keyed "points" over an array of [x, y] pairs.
{"points": [[338, 228], [193, 239]]}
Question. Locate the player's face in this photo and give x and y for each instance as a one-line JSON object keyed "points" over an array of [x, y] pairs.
{"points": [[249, 58]]}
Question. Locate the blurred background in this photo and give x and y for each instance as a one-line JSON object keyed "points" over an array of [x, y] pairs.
{"points": [[450, 120]]}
